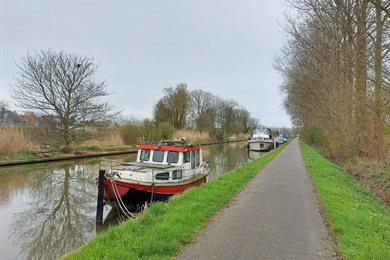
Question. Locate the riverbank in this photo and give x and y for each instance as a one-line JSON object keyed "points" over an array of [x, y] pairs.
{"points": [[86, 152], [374, 175], [17, 145], [359, 222], [51, 153], [164, 228]]}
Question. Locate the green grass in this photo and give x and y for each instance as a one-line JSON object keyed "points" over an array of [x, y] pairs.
{"points": [[4, 157], [372, 174], [164, 228], [360, 222], [106, 148], [386, 129], [29, 156]]}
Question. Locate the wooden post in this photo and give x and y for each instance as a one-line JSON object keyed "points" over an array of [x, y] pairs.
{"points": [[100, 197]]}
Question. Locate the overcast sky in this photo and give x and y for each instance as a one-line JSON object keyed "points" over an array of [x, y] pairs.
{"points": [[222, 46]]}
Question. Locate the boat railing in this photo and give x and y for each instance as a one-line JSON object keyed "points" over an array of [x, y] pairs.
{"points": [[111, 166]]}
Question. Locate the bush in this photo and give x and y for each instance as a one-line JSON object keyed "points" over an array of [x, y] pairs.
{"points": [[131, 133], [164, 131], [312, 135], [147, 131], [386, 129]]}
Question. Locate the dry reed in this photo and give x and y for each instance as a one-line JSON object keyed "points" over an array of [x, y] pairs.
{"points": [[13, 140], [192, 135], [113, 138]]}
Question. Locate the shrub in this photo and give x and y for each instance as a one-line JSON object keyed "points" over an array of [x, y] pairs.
{"points": [[312, 135], [146, 131], [131, 133], [164, 131]]}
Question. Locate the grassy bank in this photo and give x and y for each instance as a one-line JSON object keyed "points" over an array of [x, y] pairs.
{"points": [[41, 154], [165, 227], [372, 174], [360, 222], [107, 148]]}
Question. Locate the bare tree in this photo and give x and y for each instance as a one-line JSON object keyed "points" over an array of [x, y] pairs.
{"points": [[335, 69], [61, 85], [201, 109], [3, 105], [173, 107]]}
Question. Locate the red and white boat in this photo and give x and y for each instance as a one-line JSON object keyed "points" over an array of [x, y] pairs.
{"points": [[161, 170]]}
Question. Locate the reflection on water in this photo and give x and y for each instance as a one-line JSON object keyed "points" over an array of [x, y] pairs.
{"points": [[251, 155], [48, 210], [58, 213]]}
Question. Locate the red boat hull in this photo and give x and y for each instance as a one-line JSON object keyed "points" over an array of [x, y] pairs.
{"points": [[124, 187]]}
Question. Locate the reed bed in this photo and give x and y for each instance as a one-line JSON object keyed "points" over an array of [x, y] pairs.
{"points": [[193, 136], [14, 140], [113, 138]]}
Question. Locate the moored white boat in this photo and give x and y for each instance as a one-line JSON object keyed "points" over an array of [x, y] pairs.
{"points": [[261, 140], [160, 171]]}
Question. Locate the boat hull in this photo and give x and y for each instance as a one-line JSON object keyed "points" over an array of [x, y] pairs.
{"points": [[260, 145], [124, 188]]}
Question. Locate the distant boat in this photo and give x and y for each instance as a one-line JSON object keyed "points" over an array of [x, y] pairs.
{"points": [[261, 140], [161, 170]]}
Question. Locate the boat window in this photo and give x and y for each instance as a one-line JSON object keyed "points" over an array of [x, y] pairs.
{"points": [[173, 157], [158, 156], [186, 157], [145, 155], [162, 176], [197, 159], [192, 159], [177, 174]]}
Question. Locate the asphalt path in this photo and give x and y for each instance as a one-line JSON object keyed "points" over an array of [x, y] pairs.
{"points": [[276, 216]]}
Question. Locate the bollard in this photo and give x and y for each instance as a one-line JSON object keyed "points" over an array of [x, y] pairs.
{"points": [[100, 197]]}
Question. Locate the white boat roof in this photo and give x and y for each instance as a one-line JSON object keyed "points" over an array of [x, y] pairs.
{"points": [[150, 165]]}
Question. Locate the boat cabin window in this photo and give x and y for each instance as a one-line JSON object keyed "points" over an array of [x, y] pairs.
{"points": [[186, 157], [145, 155], [192, 159], [197, 159], [177, 174], [162, 176], [173, 157], [158, 156]]}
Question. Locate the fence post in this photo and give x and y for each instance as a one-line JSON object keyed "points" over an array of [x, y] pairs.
{"points": [[100, 197]]}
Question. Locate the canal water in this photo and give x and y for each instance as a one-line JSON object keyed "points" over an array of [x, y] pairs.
{"points": [[47, 210]]}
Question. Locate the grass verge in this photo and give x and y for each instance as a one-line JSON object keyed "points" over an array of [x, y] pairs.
{"points": [[164, 228], [372, 174], [107, 148], [360, 223]]}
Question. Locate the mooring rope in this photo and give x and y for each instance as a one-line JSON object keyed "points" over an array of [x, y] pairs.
{"points": [[121, 204], [117, 199]]}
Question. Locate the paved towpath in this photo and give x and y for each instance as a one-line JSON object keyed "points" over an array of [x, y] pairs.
{"points": [[275, 217]]}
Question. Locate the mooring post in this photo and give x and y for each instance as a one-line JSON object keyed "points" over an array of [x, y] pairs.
{"points": [[100, 197]]}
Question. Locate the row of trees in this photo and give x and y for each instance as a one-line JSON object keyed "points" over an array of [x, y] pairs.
{"points": [[60, 88], [202, 111], [336, 69]]}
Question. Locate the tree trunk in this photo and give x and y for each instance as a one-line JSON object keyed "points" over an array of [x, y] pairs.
{"points": [[378, 126], [67, 138], [361, 73]]}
